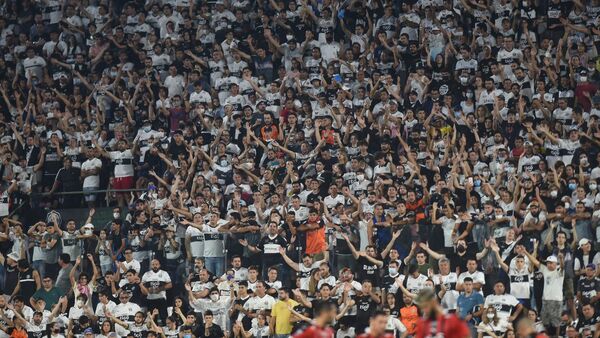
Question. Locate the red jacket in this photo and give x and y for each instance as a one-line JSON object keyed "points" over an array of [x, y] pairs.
{"points": [[448, 326]]}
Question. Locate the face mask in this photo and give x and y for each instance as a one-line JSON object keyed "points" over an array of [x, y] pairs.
{"points": [[464, 80], [116, 215], [223, 163], [593, 186], [477, 183], [214, 298], [553, 193], [147, 128], [393, 271], [583, 79], [469, 95], [56, 330], [360, 178], [490, 316], [501, 158], [461, 248], [591, 69], [572, 186], [79, 303]]}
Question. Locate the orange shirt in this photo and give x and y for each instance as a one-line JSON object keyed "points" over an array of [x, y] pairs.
{"points": [[315, 241], [409, 316]]}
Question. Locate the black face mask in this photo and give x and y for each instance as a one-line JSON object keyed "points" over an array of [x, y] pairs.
{"points": [[461, 248], [56, 330]]}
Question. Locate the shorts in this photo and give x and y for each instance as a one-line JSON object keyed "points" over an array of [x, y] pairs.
{"points": [[551, 311], [87, 195], [122, 183]]}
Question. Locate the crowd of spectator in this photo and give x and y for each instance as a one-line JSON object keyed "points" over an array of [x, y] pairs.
{"points": [[265, 159]]}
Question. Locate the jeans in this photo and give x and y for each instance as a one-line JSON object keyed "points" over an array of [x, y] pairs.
{"points": [[215, 265], [40, 266]]}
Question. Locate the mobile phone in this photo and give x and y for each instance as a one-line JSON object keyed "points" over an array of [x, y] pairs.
{"points": [[470, 180]]}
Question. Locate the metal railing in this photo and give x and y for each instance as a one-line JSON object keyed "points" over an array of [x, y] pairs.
{"points": [[107, 192]]}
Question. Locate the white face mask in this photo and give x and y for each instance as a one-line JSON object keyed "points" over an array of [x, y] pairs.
{"points": [[393, 271], [116, 215], [583, 78], [360, 178], [214, 297], [491, 315], [223, 163], [79, 304], [147, 128], [593, 186], [553, 193]]}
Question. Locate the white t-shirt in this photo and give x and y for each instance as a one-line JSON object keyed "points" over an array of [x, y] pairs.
{"points": [[553, 283], [93, 180], [123, 161], [153, 279], [504, 304]]}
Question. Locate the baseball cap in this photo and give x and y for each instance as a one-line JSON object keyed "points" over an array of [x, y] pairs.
{"points": [[552, 259], [14, 256], [583, 242], [89, 330], [591, 266]]}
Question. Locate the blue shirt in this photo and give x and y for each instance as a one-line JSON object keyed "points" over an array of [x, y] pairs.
{"points": [[467, 303]]}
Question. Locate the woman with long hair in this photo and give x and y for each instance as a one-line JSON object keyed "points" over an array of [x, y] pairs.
{"points": [[490, 326]]}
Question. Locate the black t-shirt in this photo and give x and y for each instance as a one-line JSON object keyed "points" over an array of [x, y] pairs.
{"points": [[588, 287], [69, 179], [270, 252], [136, 293], [214, 331], [365, 305], [588, 323], [368, 270]]}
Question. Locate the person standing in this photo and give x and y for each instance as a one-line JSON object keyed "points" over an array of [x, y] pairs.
{"points": [[280, 323], [552, 298], [154, 285]]}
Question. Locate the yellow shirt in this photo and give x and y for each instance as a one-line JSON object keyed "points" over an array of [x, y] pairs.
{"points": [[282, 316]]}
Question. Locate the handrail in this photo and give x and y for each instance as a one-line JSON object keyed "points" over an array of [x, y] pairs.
{"points": [[81, 192]]}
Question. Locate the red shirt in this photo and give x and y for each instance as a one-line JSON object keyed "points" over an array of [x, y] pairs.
{"points": [[315, 332], [448, 326], [367, 335]]}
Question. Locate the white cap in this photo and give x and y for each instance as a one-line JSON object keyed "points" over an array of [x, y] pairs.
{"points": [[583, 242], [552, 259], [14, 256]]}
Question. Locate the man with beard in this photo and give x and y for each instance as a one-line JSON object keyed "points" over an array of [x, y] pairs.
{"points": [[434, 322], [154, 285], [280, 314]]}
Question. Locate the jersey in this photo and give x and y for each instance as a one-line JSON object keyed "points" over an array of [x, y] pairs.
{"points": [[314, 332], [448, 326], [157, 279]]}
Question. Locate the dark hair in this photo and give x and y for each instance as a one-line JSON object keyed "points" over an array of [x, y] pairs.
{"points": [[65, 257]]}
